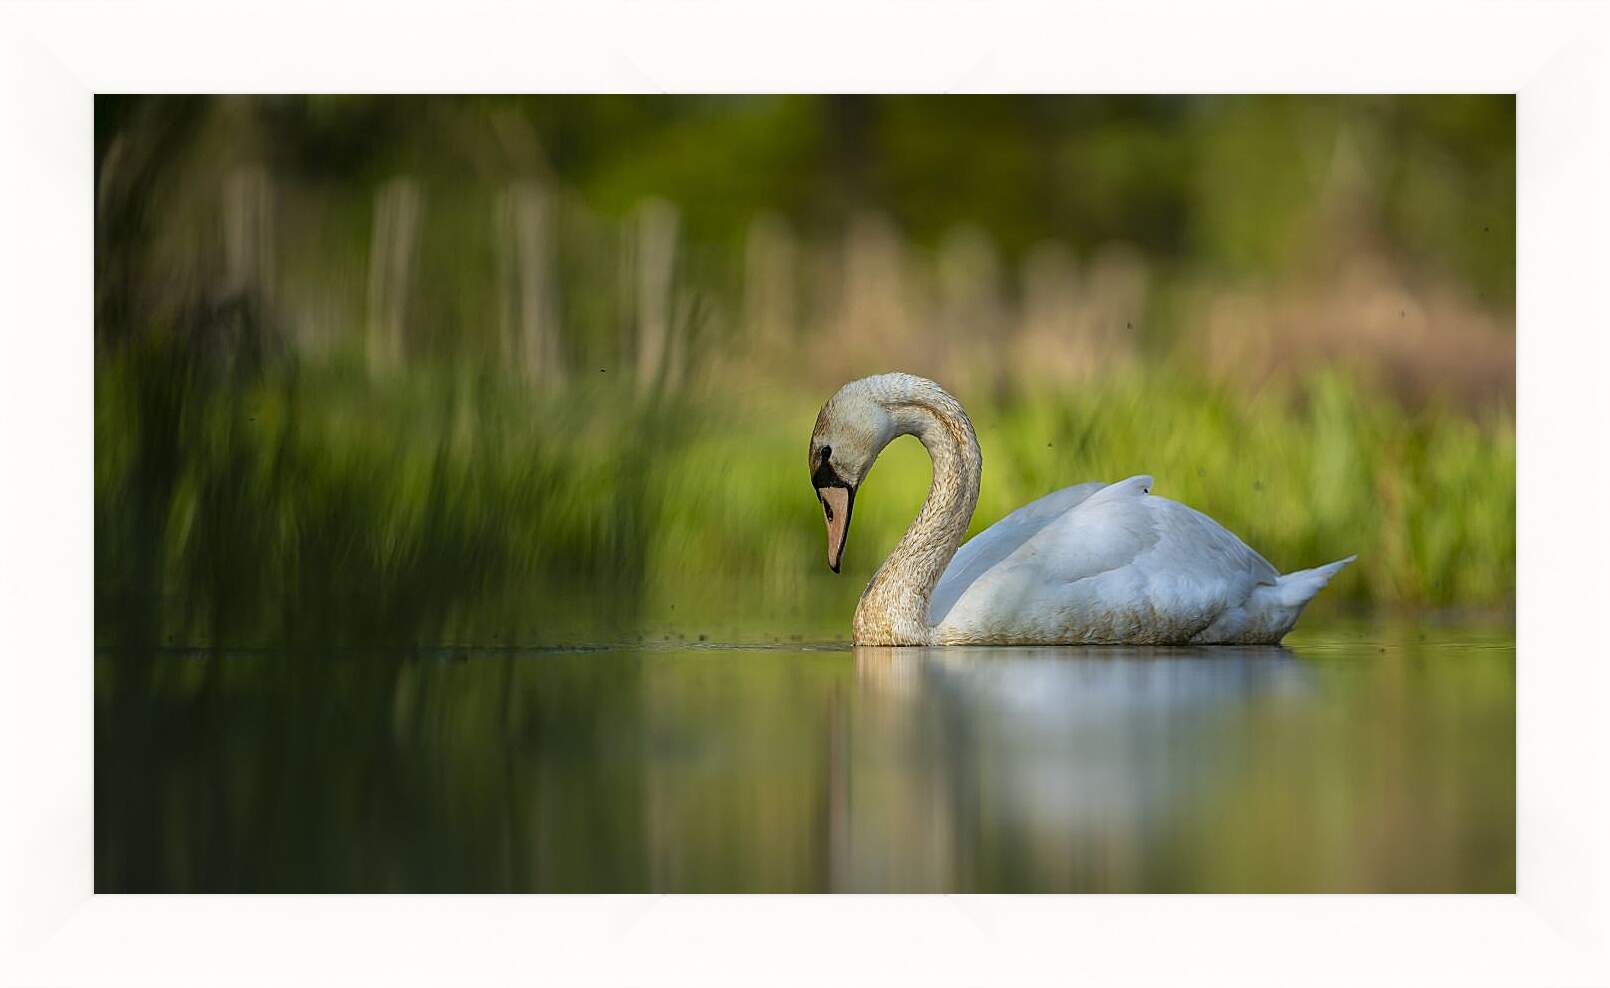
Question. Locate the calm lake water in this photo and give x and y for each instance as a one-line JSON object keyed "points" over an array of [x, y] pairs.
{"points": [[1359, 757]]}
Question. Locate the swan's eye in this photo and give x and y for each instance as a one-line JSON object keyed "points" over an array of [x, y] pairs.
{"points": [[826, 452]]}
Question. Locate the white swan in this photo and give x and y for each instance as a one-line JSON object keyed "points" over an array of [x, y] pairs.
{"points": [[1093, 563]]}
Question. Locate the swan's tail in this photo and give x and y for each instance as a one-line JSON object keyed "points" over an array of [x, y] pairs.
{"points": [[1297, 589]]}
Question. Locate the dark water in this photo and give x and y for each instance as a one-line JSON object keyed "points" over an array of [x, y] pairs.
{"points": [[1359, 757]]}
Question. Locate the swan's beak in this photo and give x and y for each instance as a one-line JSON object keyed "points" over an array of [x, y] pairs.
{"points": [[837, 502]]}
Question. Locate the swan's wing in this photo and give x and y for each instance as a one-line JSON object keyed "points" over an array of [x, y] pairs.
{"points": [[1119, 554], [1000, 540], [1190, 545]]}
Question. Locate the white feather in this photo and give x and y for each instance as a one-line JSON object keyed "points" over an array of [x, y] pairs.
{"points": [[1114, 563]]}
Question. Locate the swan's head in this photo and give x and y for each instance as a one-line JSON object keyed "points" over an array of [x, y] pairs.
{"points": [[851, 430]]}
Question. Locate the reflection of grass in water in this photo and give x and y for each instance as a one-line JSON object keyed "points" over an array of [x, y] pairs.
{"points": [[1374, 757], [259, 774], [322, 507]]}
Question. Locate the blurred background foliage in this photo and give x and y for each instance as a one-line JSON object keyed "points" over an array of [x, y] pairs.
{"points": [[378, 371]]}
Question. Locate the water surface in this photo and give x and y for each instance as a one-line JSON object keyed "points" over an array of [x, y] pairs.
{"points": [[1361, 756]]}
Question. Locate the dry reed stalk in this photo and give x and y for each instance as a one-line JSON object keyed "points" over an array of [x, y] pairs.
{"points": [[393, 252], [657, 224], [530, 335]]}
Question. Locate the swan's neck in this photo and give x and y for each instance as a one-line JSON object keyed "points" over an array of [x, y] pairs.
{"points": [[894, 607]]}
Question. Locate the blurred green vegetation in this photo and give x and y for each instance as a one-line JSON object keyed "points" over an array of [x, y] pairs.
{"points": [[326, 510], [385, 371]]}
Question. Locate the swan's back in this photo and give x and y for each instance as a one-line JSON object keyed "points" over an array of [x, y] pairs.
{"points": [[1111, 563]]}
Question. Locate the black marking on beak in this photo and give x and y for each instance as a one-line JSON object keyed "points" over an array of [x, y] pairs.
{"points": [[825, 475]]}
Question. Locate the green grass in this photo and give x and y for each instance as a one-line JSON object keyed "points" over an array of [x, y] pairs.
{"points": [[315, 506]]}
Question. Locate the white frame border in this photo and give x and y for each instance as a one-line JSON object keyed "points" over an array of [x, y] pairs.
{"points": [[54, 56]]}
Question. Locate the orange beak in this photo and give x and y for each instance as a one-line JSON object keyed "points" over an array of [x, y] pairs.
{"points": [[837, 502]]}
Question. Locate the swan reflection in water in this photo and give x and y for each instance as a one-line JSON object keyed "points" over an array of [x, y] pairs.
{"points": [[1064, 763]]}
